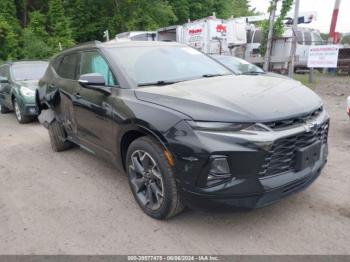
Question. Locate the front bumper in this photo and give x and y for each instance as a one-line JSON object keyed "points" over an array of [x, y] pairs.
{"points": [[30, 110], [264, 191], [247, 153]]}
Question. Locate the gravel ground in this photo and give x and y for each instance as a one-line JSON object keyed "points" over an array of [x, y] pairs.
{"points": [[74, 203]]}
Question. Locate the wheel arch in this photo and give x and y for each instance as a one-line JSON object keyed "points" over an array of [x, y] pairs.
{"points": [[134, 133]]}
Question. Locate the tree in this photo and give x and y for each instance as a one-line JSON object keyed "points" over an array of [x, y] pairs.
{"points": [[278, 25], [8, 42], [59, 26], [10, 31], [181, 10], [34, 47], [28, 26], [35, 38], [346, 39], [37, 25]]}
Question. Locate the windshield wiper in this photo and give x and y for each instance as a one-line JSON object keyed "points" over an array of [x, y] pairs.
{"points": [[253, 73], [212, 75], [159, 83]]}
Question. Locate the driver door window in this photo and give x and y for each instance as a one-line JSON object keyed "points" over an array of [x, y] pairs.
{"points": [[93, 62]]}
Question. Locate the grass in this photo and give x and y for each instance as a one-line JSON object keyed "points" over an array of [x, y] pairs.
{"points": [[304, 79]]}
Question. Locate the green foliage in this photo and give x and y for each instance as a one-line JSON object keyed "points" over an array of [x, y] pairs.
{"points": [[37, 25], [324, 36], [34, 28], [278, 26], [59, 26], [346, 39], [34, 46], [8, 43]]}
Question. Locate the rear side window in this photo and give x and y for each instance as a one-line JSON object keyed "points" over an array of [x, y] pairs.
{"points": [[68, 67], [317, 39], [308, 40], [250, 36], [93, 62], [258, 37], [299, 37], [56, 63]]}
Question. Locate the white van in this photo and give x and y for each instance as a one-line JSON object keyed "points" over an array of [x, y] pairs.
{"points": [[306, 37]]}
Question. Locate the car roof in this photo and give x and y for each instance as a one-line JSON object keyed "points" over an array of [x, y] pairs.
{"points": [[129, 43]]}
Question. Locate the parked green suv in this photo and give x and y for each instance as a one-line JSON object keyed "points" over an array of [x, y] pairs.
{"points": [[18, 82]]}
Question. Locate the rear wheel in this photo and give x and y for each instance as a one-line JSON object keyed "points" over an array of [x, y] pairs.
{"points": [[58, 137], [19, 114], [152, 179], [4, 109]]}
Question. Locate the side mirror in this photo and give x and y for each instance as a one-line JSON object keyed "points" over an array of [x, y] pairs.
{"points": [[93, 79], [3, 80], [95, 82]]}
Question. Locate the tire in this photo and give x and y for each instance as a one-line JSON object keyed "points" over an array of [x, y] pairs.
{"points": [[4, 109], [19, 114], [157, 179], [58, 137]]}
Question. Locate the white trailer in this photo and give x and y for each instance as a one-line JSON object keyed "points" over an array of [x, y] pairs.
{"points": [[170, 34], [208, 35]]}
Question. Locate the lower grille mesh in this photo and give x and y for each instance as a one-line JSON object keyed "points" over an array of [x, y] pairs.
{"points": [[282, 155]]}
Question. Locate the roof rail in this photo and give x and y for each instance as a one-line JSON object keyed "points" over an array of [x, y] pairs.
{"points": [[95, 42]]}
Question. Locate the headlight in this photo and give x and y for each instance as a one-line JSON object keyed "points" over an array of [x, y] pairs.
{"points": [[27, 91], [218, 126]]}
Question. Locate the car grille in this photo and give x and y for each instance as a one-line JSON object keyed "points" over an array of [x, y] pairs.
{"points": [[282, 155], [280, 124]]}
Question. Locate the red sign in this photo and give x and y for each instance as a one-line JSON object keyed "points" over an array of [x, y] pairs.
{"points": [[221, 28], [195, 31]]}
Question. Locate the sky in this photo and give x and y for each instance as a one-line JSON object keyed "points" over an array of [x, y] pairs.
{"points": [[324, 10]]}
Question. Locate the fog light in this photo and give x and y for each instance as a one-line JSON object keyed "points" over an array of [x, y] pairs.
{"points": [[219, 165], [32, 110], [219, 170]]}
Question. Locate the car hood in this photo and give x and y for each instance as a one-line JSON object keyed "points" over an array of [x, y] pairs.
{"points": [[234, 98], [32, 84]]}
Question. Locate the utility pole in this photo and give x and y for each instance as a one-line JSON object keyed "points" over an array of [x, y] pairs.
{"points": [[294, 43], [332, 34], [270, 35]]}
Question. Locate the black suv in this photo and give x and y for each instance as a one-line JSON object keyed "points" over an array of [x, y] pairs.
{"points": [[18, 82], [186, 130]]}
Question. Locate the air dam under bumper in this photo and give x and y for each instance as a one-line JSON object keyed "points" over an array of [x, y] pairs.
{"points": [[30, 110], [267, 190]]}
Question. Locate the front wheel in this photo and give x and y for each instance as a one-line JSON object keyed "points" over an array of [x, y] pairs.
{"points": [[22, 119], [152, 179], [58, 137]]}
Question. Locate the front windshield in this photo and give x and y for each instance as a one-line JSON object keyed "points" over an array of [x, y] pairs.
{"points": [[29, 71], [237, 65], [147, 65]]}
